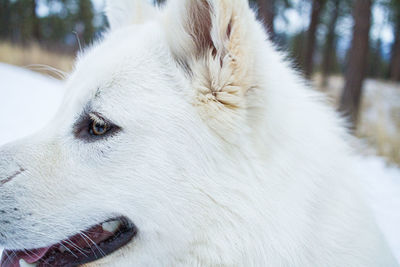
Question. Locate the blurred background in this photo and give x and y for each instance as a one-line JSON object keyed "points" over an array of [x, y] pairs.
{"points": [[349, 49]]}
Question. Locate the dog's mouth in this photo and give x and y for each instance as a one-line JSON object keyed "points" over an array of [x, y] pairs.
{"points": [[84, 247]]}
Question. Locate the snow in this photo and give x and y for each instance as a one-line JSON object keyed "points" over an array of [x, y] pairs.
{"points": [[29, 100], [388, 94], [382, 185]]}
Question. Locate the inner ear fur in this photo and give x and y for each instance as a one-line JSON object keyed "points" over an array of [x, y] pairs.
{"points": [[215, 46], [212, 40]]}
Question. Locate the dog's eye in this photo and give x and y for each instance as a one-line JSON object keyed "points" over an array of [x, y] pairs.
{"points": [[93, 126], [98, 127]]}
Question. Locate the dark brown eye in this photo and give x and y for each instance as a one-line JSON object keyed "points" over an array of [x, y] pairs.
{"points": [[98, 127]]}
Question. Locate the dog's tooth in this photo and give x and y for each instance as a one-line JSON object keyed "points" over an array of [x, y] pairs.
{"points": [[23, 263], [62, 249], [111, 226]]}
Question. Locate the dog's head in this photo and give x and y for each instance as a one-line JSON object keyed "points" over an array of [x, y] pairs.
{"points": [[139, 157]]}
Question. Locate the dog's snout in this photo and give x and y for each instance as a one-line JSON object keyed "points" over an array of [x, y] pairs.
{"points": [[9, 178], [9, 167]]}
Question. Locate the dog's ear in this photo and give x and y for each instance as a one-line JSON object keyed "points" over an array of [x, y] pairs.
{"points": [[214, 41], [122, 13]]}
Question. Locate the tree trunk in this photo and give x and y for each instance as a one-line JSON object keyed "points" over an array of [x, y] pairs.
{"points": [[357, 61], [267, 14], [5, 19], [395, 58], [85, 16], [330, 45], [317, 6], [35, 21]]}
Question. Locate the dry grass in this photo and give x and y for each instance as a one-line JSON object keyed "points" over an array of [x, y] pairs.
{"points": [[35, 58], [379, 122]]}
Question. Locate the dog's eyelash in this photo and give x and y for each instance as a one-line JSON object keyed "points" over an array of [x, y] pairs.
{"points": [[82, 128], [96, 119]]}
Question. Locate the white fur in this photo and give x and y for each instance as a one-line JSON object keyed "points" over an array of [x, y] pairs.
{"points": [[225, 157]]}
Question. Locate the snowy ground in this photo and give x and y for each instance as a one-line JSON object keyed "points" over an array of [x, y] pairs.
{"points": [[382, 184], [28, 101]]}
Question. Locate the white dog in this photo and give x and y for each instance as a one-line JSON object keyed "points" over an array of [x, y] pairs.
{"points": [[185, 139]]}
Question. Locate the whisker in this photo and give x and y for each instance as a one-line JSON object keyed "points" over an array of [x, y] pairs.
{"points": [[10, 257], [68, 241], [59, 73], [29, 253], [87, 243], [97, 247], [79, 41], [68, 249]]}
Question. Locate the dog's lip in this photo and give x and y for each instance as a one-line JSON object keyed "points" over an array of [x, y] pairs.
{"points": [[105, 238]]}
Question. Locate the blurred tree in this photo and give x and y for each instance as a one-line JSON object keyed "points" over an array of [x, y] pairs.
{"points": [[35, 21], [394, 7], [59, 22], [5, 9], [19, 22], [267, 15], [329, 52], [268, 11], [357, 60], [296, 48], [317, 7], [377, 66], [395, 57], [22, 20], [84, 18]]}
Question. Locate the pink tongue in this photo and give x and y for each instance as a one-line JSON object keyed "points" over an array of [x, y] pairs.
{"points": [[12, 258]]}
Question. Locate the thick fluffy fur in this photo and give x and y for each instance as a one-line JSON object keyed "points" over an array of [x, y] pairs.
{"points": [[225, 157]]}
